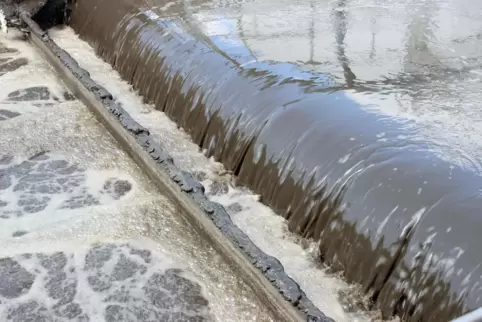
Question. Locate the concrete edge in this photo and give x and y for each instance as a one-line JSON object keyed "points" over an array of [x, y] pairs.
{"points": [[263, 273]]}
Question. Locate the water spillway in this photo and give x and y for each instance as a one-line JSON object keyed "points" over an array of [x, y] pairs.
{"points": [[85, 234], [387, 210]]}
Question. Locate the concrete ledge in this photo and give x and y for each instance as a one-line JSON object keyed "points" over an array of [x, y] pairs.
{"points": [[263, 273]]}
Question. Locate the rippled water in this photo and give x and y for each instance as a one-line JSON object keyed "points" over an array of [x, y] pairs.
{"points": [[352, 141], [264, 227], [414, 60], [84, 235]]}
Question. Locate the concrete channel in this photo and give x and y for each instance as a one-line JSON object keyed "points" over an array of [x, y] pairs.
{"points": [[387, 208], [86, 236], [350, 204], [89, 233]]}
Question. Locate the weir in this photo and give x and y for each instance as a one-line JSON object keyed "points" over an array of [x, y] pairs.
{"points": [[85, 234], [386, 210]]}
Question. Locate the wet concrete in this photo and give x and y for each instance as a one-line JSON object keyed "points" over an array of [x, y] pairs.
{"points": [[269, 266], [266, 229], [380, 194], [85, 235]]}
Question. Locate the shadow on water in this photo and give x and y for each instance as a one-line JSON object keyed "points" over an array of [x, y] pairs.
{"points": [[340, 27], [386, 211]]}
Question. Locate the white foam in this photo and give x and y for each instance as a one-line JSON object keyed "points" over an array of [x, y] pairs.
{"points": [[3, 22], [260, 223], [99, 277], [56, 197], [64, 130]]}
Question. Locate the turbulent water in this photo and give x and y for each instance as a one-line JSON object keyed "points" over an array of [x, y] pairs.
{"points": [[268, 230], [355, 120], [84, 235]]}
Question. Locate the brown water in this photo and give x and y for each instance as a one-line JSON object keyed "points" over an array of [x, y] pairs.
{"points": [[264, 227], [390, 194]]}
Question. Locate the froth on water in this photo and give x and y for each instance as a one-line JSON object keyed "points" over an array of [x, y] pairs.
{"points": [[103, 281], [85, 236], [46, 188]]}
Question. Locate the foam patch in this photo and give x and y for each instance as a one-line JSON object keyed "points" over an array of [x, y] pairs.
{"points": [[9, 60], [14, 104], [106, 282], [48, 182]]}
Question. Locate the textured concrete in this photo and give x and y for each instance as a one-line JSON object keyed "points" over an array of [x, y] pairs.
{"points": [[269, 266], [74, 210]]}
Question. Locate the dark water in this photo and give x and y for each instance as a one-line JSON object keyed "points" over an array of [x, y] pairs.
{"points": [[356, 121]]}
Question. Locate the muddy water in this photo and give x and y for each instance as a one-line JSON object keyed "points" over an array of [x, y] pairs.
{"points": [[264, 227], [85, 236], [391, 197], [416, 60]]}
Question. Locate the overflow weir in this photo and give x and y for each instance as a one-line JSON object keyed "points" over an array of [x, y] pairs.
{"points": [[385, 210], [100, 227]]}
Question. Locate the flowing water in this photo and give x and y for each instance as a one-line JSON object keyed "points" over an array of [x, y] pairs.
{"points": [[85, 236], [412, 60], [259, 222], [356, 121]]}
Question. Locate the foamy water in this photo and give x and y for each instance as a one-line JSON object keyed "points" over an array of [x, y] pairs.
{"points": [[84, 235], [260, 223], [3, 22]]}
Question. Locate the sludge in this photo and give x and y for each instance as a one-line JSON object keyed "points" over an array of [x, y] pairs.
{"points": [[387, 211]]}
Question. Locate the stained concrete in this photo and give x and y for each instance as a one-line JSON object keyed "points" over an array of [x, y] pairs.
{"points": [[83, 230]]}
